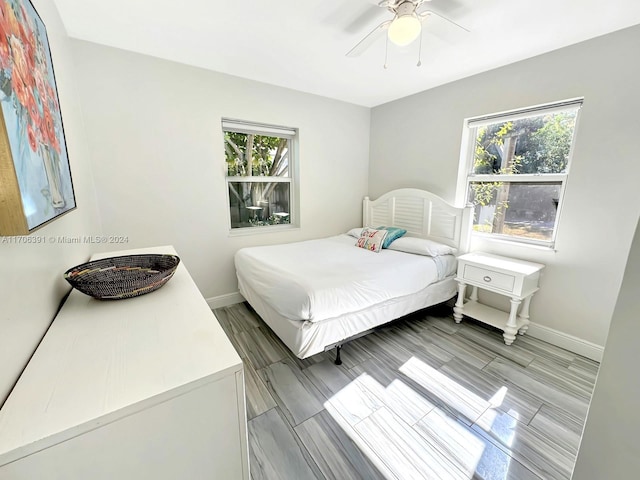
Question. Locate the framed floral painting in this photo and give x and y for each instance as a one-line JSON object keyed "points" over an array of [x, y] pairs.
{"points": [[35, 178]]}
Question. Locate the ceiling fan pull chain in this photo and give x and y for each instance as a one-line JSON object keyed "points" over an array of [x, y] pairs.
{"points": [[420, 50], [386, 52]]}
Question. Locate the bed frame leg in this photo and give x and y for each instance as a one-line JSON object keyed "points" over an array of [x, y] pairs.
{"points": [[338, 361]]}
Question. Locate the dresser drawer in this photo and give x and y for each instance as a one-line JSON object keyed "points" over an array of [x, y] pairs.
{"points": [[489, 278]]}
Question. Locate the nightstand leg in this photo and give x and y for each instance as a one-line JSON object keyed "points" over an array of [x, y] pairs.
{"points": [[511, 328], [457, 310], [474, 294], [524, 315]]}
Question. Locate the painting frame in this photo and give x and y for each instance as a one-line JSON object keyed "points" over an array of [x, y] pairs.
{"points": [[35, 176]]}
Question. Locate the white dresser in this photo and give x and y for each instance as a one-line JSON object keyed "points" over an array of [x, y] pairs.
{"points": [[143, 388], [517, 279]]}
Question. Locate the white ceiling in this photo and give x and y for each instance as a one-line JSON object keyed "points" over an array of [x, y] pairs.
{"points": [[301, 44]]}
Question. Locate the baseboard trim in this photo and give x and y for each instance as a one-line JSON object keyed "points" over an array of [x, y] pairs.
{"points": [[566, 341], [225, 300]]}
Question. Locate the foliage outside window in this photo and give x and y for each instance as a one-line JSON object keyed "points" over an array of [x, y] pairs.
{"points": [[259, 160], [518, 169]]}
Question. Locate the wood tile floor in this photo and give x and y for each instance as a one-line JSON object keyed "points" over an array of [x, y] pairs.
{"points": [[421, 398]]}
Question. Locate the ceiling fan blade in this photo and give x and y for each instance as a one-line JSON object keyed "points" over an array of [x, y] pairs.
{"points": [[368, 40], [393, 4], [363, 21], [382, 3], [423, 16]]}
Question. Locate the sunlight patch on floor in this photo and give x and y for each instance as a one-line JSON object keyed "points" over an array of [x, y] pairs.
{"points": [[338, 415], [383, 423], [453, 394], [498, 398], [502, 426], [453, 439]]}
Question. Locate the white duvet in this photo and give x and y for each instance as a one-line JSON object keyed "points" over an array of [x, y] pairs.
{"points": [[320, 279]]}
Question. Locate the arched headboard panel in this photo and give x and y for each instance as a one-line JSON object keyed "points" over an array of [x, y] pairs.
{"points": [[422, 214]]}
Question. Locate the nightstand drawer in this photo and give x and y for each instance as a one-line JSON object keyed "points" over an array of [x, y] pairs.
{"points": [[489, 278]]}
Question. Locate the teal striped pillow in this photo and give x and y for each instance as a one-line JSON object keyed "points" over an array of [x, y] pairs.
{"points": [[394, 234]]}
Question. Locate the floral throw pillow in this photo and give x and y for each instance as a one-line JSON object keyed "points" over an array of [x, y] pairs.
{"points": [[372, 239]]}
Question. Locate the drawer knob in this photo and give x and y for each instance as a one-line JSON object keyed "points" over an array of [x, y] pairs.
{"points": [[487, 278]]}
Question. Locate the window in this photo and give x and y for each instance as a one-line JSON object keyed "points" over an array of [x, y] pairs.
{"points": [[260, 174], [516, 171]]}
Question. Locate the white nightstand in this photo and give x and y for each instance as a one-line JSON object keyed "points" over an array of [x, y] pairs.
{"points": [[516, 279]]}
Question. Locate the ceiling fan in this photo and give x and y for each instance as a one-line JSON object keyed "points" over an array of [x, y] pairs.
{"points": [[405, 26]]}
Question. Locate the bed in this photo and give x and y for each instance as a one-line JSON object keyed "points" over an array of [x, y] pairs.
{"points": [[319, 294]]}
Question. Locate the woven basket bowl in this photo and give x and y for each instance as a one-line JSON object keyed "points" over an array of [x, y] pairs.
{"points": [[127, 276]]}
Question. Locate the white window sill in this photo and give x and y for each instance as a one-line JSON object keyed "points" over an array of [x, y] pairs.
{"points": [[489, 238], [238, 232]]}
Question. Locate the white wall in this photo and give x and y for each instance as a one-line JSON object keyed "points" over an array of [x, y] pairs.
{"points": [[31, 283], [415, 142], [609, 446], [157, 149]]}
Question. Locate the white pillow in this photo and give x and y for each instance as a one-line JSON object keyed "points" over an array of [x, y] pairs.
{"points": [[355, 232], [421, 246]]}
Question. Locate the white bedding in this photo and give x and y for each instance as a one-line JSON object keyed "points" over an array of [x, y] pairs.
{"points": [[322, 279]]}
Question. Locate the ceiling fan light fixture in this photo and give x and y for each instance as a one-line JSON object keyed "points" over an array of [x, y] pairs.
{"points": [[404, 29]]}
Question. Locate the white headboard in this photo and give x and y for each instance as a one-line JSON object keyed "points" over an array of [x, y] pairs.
{"points": [[422, 214]]}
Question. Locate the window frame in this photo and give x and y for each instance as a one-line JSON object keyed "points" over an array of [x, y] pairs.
{"points": [[467, 159], [291, 134]]}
